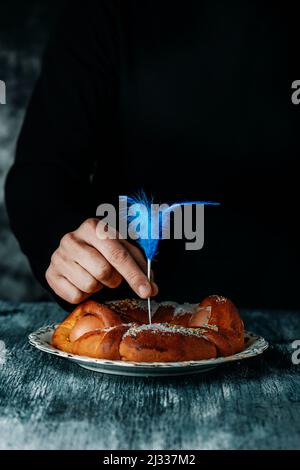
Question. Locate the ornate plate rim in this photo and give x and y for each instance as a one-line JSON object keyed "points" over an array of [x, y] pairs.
{"points": [[38, 340]]}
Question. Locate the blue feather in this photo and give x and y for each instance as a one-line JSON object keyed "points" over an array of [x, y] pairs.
{"points": [[146, 229], [145, 240]]}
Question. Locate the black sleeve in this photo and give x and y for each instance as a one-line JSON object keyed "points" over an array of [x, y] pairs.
{"points": [[48, 189]]}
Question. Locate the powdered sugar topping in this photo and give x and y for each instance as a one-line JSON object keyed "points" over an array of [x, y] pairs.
{"points": [[163, 328], [219, 298], [185, 308], [123, 305]]}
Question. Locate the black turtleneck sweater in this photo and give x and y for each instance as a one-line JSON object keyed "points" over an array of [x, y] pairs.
{"points": [[186, 100]]}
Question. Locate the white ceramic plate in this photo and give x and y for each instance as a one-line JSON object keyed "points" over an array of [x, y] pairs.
{"points": [[41, 339]]}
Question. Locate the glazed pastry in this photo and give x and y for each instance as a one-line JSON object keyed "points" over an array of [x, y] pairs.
{"points": [[119, 331], [162, 342]]}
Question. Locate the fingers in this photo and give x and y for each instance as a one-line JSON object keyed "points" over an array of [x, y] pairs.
{"points": [[85, 262], [91, 261], [118, 256], [155, 289], [79, 277], [64, 289], [141, 260], [137, 255]]}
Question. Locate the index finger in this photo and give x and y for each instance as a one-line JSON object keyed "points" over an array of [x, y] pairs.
{"points": [[122, 260]]}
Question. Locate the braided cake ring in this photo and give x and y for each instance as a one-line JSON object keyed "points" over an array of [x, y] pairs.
{"points": [[119, 331], [93, 330]]}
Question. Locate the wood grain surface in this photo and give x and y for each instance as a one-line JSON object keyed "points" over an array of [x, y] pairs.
{"points": [[50, 403]]}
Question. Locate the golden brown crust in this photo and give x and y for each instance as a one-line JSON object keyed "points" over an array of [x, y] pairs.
{"points": [[168, 345], [66, 331], [178, 333], [130, 310], [164, 314], [223, 344], [218, 311], [102, 344]]}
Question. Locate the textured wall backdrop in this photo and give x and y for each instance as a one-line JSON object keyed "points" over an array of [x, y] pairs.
{"points": [[24, 29]]}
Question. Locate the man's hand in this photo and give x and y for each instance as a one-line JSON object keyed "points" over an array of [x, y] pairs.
{"points": [[84, 263]]}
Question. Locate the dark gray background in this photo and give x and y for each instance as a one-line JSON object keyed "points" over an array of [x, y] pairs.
{"points": [[24, 30]]}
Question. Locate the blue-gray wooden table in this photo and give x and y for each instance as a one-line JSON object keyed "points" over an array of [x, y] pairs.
{"points": [[49, 403]]}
